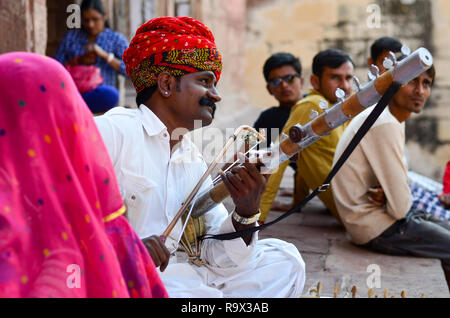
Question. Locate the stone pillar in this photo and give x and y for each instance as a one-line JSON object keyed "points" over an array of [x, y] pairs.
{"points": [[28, 19]]}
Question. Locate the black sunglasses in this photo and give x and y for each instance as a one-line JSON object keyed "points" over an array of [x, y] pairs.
{"points": [[287, 79]]}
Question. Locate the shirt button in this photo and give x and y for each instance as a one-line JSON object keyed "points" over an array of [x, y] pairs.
{"points": [[165, 135], [133, 197]]}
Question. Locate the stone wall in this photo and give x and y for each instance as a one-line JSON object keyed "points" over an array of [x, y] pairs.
{"points": [[23, 26], [304, 27]]}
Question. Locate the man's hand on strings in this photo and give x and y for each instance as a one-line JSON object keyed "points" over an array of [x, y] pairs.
{"points": [[158, 251], [246, 186]]}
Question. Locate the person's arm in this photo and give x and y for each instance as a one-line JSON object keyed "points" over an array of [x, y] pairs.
{"points": [[158, 251], [109, 57], [113, 58], [297, 115], [231, 253], [383, 147], [271, 191], [246, 186]]}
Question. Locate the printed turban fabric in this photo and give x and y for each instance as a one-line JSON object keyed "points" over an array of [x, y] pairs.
{"points": [[177, 45]]}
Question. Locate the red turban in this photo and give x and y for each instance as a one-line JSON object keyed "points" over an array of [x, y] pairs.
{"points": [[179, 46]]}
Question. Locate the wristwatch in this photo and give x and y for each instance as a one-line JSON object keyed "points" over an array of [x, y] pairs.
{"points": [[246, 221]]}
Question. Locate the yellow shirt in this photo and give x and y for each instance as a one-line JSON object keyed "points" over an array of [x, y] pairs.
{"points": [[314, 162]]}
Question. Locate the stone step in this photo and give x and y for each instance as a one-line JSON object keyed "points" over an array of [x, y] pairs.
{"points": [[332, 259]]}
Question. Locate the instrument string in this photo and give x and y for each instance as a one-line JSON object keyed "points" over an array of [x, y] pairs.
{"points": [[217, 179]]}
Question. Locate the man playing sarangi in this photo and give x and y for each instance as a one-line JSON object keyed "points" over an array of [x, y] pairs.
{"points": [[174, 65]]}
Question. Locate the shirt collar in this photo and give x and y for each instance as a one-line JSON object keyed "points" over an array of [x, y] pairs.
{"points": [[388, 111], [312, 91], [152, 124]]}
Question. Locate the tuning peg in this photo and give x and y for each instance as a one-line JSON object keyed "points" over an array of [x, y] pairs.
{"points": [[405, 50], [388, 64], [392, 57], [313, 114], [340, 94], [390, 61], [373, 73], [323, 104], [356, 84], [336, 291], [354, 291]]}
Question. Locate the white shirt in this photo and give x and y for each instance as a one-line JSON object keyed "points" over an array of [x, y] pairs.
{"points": [[155, 182]]}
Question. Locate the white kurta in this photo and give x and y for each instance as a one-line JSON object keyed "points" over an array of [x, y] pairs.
{"points": [[154, 183]]}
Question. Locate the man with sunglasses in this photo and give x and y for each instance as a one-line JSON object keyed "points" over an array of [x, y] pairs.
{"points": [[283, 75], [332, 70]]}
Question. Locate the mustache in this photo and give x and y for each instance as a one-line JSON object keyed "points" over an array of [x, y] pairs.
{"points": [[204, 101], [418, 98]]}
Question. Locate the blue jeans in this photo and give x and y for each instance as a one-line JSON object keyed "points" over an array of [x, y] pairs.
{"points": [[417, 234], [101, 99]]}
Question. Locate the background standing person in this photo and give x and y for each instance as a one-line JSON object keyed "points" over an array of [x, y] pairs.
{"points": [[95, 44]]}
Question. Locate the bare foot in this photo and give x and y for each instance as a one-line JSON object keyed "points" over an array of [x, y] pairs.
{"points": [[277, 206], [285, 192]]}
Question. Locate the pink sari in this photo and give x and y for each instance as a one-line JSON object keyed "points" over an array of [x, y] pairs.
{"points": [[62, 233]]}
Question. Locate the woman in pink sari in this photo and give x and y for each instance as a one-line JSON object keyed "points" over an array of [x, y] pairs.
{"points": [[62, 229]]}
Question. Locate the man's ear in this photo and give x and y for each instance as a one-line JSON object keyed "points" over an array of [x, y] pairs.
{"points": [[315, 81], [268, 89], [370, 61], [164, 83]]}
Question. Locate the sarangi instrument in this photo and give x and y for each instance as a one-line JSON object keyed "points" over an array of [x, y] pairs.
{"points": [[301, 137]]}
